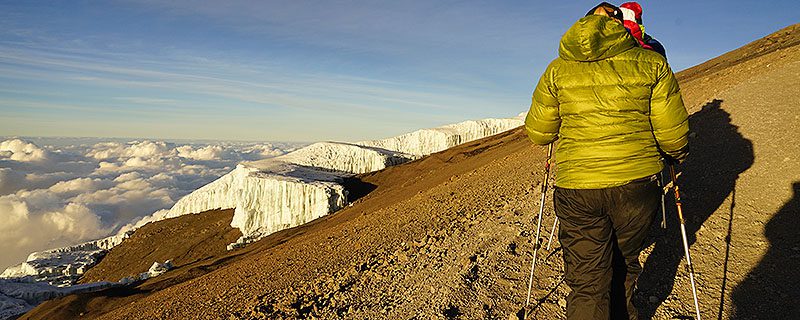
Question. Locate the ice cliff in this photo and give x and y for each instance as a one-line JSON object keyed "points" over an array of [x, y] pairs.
{"points": [[62, 267], [346, 157], [20, 294], [269, 200], [303, 185], [268, 195], [426, 141]]}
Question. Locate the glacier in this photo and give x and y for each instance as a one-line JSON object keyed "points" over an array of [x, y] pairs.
{"points": [[306, 201], [426, 141], [346, 157], [286, 191], [21, 294], [18, 296], [267, 196], [63, 267]]}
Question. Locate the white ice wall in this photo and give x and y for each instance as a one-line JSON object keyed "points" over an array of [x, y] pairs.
{"points": [[427, 141], [345, 157], [277, 205], [62, 267], [271, 204], [219, 194], [20, 295], [269, 196]]}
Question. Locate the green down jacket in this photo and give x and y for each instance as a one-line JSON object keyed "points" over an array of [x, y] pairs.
{"points": [[611, 104]]}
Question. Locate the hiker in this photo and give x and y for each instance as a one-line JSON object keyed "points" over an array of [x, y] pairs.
{"points": [[614, 107], [632, 20]]}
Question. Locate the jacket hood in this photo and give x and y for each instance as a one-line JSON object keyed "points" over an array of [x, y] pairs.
{"points": [[595, 38]]}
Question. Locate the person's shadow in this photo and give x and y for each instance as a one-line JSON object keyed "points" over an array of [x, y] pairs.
{"points": [[772, 289], [718, 153]]}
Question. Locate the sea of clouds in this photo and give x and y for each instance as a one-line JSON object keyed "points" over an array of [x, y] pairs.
{"points": [[63, 192]]}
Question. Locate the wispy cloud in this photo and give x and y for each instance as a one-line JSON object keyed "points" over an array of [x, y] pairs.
{"points": [[151, 101], [384, 26], [373, 66], [185, 89], [368, 67], [268, 87]]}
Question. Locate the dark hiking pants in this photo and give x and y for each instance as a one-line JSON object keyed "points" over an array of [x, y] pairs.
{"points": [[602, 233]]}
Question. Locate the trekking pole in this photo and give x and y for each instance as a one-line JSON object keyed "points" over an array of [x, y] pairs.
{"points": [[689, 267], [552, 232], [539, 223], [663, 196]]}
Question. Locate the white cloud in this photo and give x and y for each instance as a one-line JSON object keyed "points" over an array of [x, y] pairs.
{"points": [[135, 184], [138, 162], [107, 166], [56, 196], [128, 177], [204, 153], [149, 149], [36, 221], [264, 151], [106, 150], [22, 151], [139, 149], [40, 180], [79, 185]]}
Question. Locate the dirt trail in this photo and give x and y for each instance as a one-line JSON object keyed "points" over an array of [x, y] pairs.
{"points": [[449, 236]]}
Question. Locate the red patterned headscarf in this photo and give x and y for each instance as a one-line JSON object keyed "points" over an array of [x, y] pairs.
{"points": [[632, 19]]}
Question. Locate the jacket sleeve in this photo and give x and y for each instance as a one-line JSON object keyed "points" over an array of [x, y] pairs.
{"points": [[543, 121], [668, 115]]}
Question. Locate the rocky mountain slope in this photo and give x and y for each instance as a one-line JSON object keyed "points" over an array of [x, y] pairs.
{"points": [[448, 236]]}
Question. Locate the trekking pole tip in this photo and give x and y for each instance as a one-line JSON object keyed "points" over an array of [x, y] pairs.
{"points": [[520, 315]]}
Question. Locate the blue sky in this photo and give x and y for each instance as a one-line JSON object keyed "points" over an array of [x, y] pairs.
{"points": [[308, 70]]}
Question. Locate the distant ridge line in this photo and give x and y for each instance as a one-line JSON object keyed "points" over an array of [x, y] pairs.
{"points": [[781, 39]]}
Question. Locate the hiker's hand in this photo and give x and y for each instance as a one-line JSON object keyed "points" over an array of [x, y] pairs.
{"points": [[670, 161]]}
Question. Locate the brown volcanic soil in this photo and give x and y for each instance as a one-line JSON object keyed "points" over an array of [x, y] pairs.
{"points": [[448, 236], [782, 39], [185, 241], [196, 244]]}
